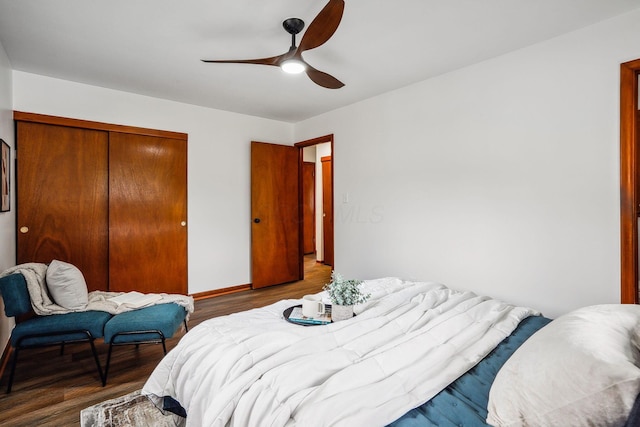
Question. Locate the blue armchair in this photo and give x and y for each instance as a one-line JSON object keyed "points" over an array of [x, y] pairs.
{"points": [[32, 330]]}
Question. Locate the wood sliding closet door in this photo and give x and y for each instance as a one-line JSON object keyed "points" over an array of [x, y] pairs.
{"points": [[110, 199], [62, 209], [147, 213]]}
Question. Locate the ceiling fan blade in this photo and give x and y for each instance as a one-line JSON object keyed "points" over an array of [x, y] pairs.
{"points": [[323, 79], [274, 60], [323, 26]]}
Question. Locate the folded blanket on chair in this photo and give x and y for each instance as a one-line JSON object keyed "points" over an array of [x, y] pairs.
{"points": [[35, 276]]}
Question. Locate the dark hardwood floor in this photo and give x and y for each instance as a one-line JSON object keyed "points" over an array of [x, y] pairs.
{"points": [[50, 389]]}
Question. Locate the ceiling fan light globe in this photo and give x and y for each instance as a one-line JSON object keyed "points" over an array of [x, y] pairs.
{"points": [[293, 66]]}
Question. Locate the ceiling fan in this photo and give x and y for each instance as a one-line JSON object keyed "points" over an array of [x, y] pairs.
{"points": [[321, 29]]}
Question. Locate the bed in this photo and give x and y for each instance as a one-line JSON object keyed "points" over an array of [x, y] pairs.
{"points": [[415, 354]]}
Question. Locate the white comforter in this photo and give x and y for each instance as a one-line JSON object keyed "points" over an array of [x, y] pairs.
{"points": [[408, 342]]}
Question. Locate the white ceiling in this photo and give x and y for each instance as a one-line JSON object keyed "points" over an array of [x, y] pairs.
{"points": [[154, 47]]}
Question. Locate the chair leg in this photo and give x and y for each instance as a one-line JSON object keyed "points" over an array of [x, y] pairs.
{"points": [[106, 369], [62, 348], [13, 369], [164, 347], [186, 328], [103, 377]]}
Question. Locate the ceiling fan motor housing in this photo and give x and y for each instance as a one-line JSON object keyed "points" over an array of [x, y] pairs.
{"points": [[293, 25]]}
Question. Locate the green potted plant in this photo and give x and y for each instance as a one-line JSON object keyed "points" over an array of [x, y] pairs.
{"points": [[344, 294]]}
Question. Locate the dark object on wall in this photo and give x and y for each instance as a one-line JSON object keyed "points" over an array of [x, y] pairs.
{"points": [[4, 178]]}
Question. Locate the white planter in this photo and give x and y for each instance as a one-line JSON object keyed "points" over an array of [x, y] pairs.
{"points": [[341, 312]]}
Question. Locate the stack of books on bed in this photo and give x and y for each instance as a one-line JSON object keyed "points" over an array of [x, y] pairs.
{"points": [[297, 316]]}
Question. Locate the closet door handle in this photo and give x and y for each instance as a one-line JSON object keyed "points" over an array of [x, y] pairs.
{"points": [[256, 220], [24, 230]]}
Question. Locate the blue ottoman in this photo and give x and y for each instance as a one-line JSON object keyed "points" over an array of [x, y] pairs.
{"points": [[144, 326]]}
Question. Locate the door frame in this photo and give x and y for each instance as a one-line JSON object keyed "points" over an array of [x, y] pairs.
{"points": [[300, 145], [629, 180], [327, 225], [303, 190]]}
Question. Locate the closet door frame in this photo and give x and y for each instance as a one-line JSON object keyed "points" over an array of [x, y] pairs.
{"points": [[20, 116]]}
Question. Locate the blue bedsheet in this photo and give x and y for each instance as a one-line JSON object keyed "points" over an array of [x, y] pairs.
{"points": [[464, 402]]}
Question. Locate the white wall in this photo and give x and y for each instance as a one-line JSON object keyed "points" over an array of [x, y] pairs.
{"points": [[7, 219], [501, 178], [309, 154], [218, 164]]}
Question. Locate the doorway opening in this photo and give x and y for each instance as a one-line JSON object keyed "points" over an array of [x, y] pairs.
{"points": [[316, 205], [629, 180]]}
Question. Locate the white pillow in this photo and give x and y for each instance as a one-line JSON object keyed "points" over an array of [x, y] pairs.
{"points": [[67, 286], [581, 369]]}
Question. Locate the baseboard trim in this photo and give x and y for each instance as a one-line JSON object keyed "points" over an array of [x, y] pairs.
{"points": [[219, 292]]}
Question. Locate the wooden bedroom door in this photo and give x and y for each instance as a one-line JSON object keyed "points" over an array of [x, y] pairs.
{"points": [[147, 214], [275, 229], [309, 207], [62, 209], [327, 209]]}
